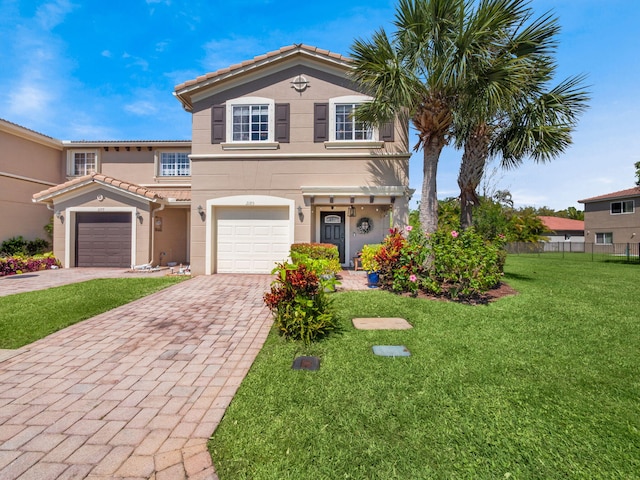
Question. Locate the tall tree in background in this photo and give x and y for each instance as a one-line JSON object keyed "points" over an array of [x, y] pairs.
{"points": [[509, 109], [637, 165]]}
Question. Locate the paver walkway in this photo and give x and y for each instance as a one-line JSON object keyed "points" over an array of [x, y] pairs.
{"points": [[135, 392]]}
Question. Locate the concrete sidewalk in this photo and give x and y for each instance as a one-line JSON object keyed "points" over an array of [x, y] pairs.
{"points": [[135, 392]]}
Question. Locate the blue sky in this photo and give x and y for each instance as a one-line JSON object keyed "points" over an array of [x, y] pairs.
{"points": [[81, 70]]}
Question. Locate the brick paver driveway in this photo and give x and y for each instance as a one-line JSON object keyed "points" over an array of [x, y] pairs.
{"points": [[134, 392]]}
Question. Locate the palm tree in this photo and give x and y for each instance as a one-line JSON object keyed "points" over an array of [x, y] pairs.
{"points": [[406, 76], [508, 112], [428, 70]]}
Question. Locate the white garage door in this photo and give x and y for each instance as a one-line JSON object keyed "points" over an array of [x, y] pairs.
{"points": [[251, 239]]}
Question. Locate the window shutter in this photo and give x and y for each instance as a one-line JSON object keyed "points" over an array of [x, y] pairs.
{"points": [[387, 131], [282, 122], [320, 122], [218, 123]]}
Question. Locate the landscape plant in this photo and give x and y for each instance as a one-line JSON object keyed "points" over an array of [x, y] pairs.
{"points": [[402, 259], [17, 265], [300, 306], [368, 257]]}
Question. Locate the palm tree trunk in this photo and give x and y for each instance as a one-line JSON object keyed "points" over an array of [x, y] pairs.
{"points": [[474, 159], [429, 197]]}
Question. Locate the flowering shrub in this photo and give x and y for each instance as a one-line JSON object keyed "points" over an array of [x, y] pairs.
{"points": [[17, 265], [322, 258], [401, 259], [459, 265], [299, 304], [463, 264]]}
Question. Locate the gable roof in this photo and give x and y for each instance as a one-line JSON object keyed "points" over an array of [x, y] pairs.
{"points": [[28, 134], [557, 224], [186, 90], [629, 192], [125, 187]]}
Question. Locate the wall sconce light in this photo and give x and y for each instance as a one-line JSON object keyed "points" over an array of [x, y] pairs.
{"points": [[300, 214], [201, 212], [351, 211], [58, 214]]}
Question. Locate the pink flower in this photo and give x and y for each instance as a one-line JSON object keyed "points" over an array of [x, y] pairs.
{"points": [[454, 234], [413, 278], [408, 228]]}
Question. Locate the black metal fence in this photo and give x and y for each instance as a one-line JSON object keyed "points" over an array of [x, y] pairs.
{"points": [[614, 252]]}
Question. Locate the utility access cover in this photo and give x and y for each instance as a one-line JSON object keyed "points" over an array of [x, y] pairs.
{"points": [[306, 363], [391, 351]]}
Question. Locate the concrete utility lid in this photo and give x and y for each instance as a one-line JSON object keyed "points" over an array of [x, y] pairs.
{"points": [[381, 324], [391, 351], [306, 363]]}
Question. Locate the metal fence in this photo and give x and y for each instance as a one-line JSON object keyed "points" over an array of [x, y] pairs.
{"points": [[614, 252]]}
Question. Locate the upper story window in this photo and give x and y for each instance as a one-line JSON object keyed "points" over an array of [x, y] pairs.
{"points": [[625, 206], [250, 123], [347, 128], [336, 126], [174, 164], [82, 162], [604, 238]]}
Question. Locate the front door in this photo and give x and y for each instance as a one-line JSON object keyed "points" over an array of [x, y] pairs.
{"points": [[332, 230]]}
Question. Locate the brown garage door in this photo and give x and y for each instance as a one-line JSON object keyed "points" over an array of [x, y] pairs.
{"points": [[103, 239]]}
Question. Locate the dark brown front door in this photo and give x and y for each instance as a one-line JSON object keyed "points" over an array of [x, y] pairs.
{"points": [[332, 230], [103, 239]]}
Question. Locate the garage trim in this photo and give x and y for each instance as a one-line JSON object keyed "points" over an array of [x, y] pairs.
{"points": [[240, 201], [69, 213]]}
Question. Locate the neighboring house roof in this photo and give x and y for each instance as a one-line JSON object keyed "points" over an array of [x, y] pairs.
{"points": [[28, 134], [629, 192], [126, 143], [557, 224], [127, 187], [185, 91]]}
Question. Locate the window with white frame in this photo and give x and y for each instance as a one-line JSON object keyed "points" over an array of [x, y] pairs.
{"points": [[82, 162], [250, 119], [625, 206], [174, 164], [605, 238], [343, 126], [347, 127]]}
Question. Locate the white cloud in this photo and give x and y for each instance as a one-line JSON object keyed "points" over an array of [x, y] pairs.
{"points": [[142, 107], [106, 53], [134, 61], [224, 53], [52, 14], [30, 101]]}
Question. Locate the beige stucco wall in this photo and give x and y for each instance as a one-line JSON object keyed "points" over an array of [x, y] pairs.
{"points": [[26, 167], [277, 86], [598, 219], [172, 239]]}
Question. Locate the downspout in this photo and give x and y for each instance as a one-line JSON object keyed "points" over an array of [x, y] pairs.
{"points": [[153, 232]]}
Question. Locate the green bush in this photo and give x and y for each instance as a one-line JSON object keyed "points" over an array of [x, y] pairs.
{"points": [[321, 258], [368, 257], [463, 264], [297, 300], [15, 265], [18, 246], [402, 259]]}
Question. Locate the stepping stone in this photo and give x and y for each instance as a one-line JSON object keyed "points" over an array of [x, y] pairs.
{"points": [[381, 324], [391, 351]]}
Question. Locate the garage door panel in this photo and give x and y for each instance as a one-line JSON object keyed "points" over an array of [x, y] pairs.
{"points": [[103, 239], [252, 239]]}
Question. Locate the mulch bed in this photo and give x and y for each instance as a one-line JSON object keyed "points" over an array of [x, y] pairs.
{"points": [[501, 291]]}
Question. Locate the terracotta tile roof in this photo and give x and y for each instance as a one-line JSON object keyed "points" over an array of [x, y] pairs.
{"points": [[106, 180], [284, 51], [629, 192], [557, 224]]}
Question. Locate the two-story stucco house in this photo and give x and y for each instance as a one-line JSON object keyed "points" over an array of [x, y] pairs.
{"points": [[275, 158], [613, 218]]}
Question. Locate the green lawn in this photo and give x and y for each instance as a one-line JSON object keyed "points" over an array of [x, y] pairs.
{"points": [[27, 317], [542, 385]]}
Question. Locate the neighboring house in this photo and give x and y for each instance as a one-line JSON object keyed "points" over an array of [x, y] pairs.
{"points": [[29, 162], [563, 229], [569, 232], [275, 158], [613, 218]]}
